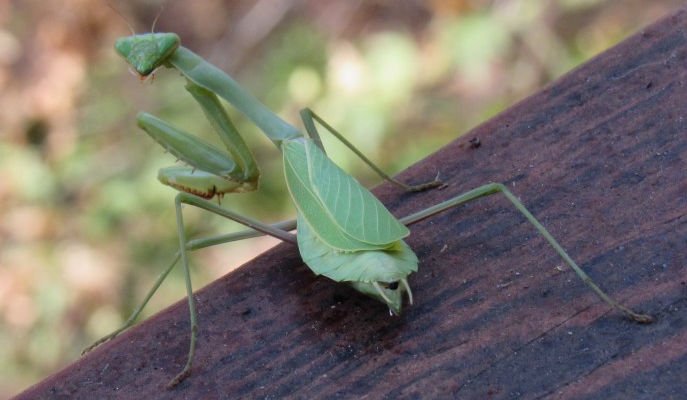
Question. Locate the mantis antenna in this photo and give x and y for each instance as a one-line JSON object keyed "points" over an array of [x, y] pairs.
{"points": [[157, 17], [126, 21]]}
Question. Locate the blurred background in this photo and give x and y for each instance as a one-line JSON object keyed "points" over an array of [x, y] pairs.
{"points": [[84, 225]]}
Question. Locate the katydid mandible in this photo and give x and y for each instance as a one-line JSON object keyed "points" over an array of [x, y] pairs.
{"points": [[356, 241]]}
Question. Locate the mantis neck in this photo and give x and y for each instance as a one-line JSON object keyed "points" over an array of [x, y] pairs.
{"points": [[214, 79]]}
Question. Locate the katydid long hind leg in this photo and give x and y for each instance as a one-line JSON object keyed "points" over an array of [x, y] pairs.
{"points": [[492, 188], [309, 117]]}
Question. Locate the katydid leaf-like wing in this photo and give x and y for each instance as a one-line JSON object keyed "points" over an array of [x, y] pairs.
{"points": [[341, 212], [384, 265]]}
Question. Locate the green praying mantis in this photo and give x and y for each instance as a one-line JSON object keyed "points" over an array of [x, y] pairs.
{"points": [[343, 231]]}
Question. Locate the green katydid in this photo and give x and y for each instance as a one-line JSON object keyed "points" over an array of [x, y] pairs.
{"points": [[343, 231]]}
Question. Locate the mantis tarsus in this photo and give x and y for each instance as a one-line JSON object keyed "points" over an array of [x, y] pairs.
{"points": [[343, 231]]}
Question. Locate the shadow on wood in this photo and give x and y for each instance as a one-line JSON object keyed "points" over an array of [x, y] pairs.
{"points": [[599, 156]]}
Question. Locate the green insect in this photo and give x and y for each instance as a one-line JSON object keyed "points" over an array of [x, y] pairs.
{"points": [[343, 231]]}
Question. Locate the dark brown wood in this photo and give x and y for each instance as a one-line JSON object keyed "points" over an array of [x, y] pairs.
{"points": [[600, 156]]}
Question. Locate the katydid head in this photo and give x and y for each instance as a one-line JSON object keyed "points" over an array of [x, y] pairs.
{"points": [[146, 52]]}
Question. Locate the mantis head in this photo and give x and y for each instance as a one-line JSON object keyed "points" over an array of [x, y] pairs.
{"points": [[146, 52]]}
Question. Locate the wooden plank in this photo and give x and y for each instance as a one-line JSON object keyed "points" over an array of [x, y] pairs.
{"points": [[600, 156]]}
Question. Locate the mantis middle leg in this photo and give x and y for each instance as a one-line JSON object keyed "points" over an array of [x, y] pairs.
{"points": [[185, 198], [257, 228], [309, 117]]}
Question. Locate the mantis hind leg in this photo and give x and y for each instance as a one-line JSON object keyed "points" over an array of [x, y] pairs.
{"points": [[492, 188], [309, 117]]}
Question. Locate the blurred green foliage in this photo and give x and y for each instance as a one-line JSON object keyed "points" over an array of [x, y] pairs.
{"points": [[84, 225]]}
